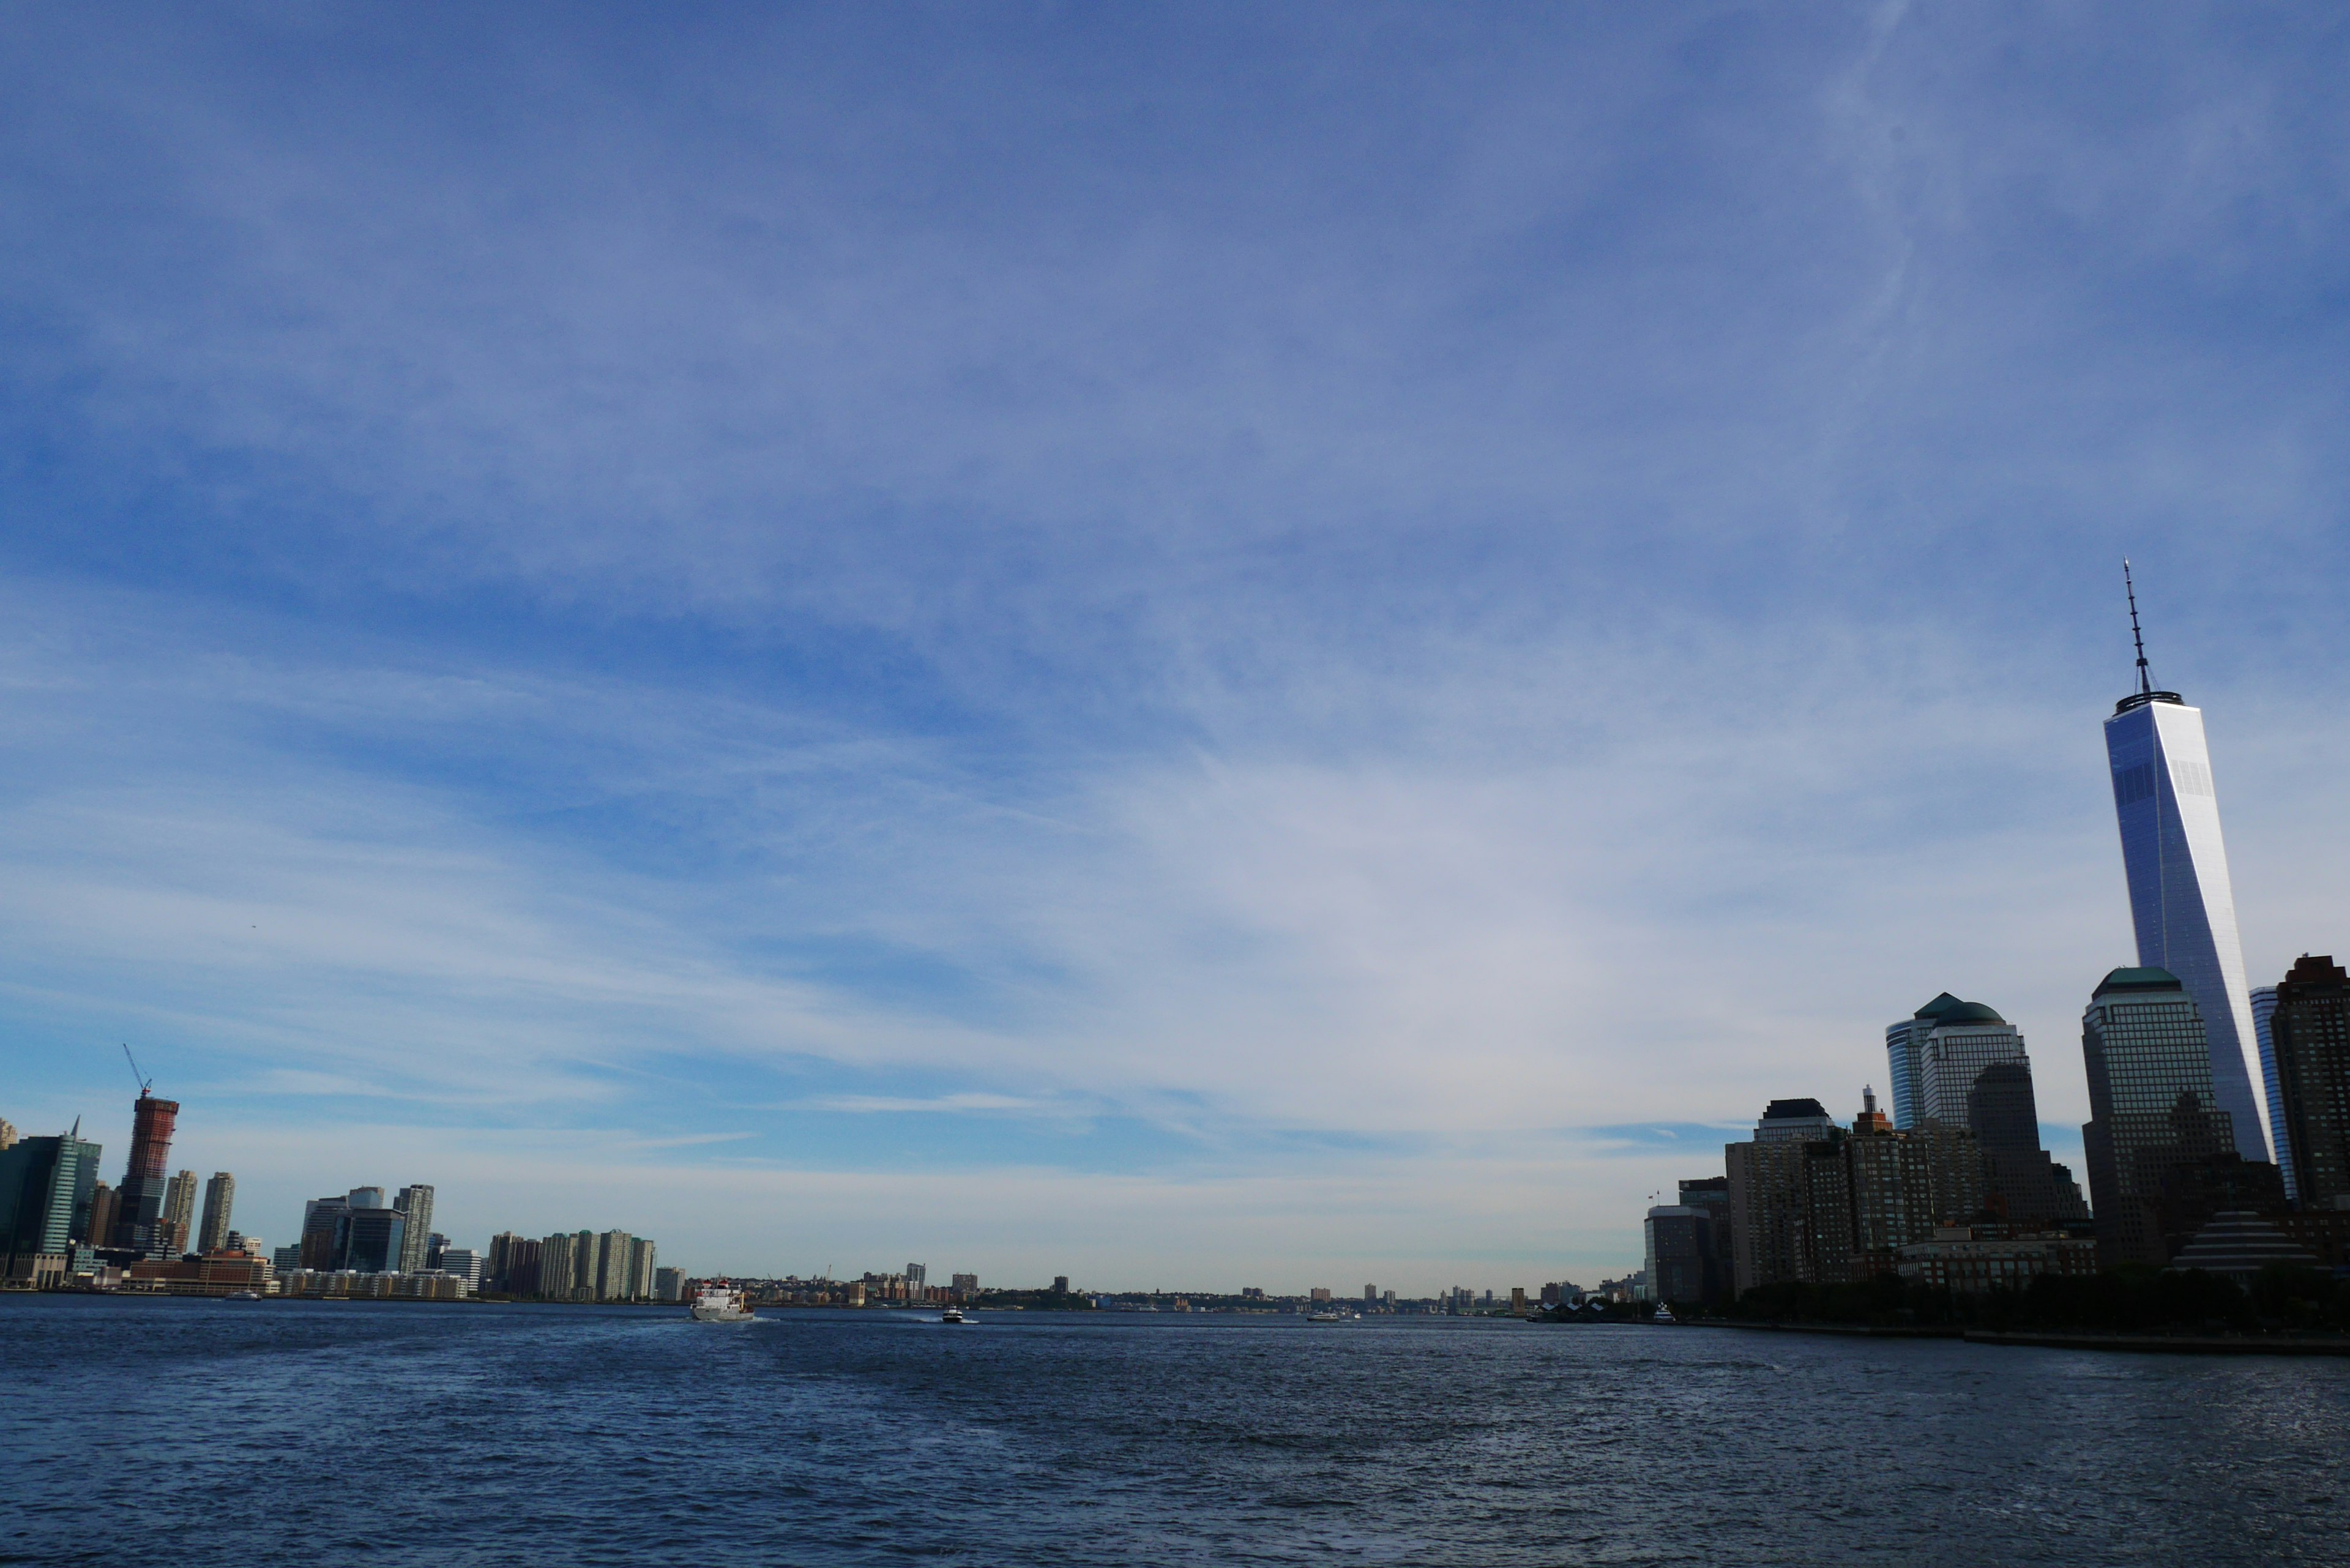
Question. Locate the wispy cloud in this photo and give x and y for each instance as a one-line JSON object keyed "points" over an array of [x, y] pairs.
{"points": [[1547, 573]]}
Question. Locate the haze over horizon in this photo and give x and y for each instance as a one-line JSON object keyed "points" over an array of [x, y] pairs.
{"points": [[1187, 646]]}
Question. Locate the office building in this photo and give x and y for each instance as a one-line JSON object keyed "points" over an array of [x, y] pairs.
{"points": [[139, 1202], [669, 1284], [374, 1240], [415, 1206], [966, 1284], [323, 1232], [8, 1135], [2271, 1092], [2151, 1104], [463, 1262], [2310, 1032], [46, 1187], [1679, 1262], [1965, 1039], [2182, 905], [177, 1226], [916, 1279], [219, 1199], [1712, 1194], [1905, 1051], [97, 1227]]}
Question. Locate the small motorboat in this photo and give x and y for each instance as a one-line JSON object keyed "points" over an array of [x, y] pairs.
{"points": [[952, 1314], [244, 1295], [1663, 1314]]}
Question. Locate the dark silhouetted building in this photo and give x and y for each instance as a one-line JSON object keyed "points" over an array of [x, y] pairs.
{"points": [[98, 1229], [2152, 1106], [2310, 1034], [139, 1202]]}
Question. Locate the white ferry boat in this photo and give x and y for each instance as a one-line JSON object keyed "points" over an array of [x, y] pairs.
{"points": [[952, 1314], [718, 1302]]}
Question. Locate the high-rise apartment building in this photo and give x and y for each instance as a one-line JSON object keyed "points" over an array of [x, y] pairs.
{"points": [[2310, 1036], [220, 1198], [643, 1264], [178, 1218], [1819, 1204], [612, 1266], [917, 1278], [139, 1202], [415, 1206], [8, 1135], [558, 1273], [2152, 1106], [669, 1284], [2182, 904], [966, 1284]]}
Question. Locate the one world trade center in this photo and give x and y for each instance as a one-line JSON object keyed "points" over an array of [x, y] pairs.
{"points": [[2181, 900]]}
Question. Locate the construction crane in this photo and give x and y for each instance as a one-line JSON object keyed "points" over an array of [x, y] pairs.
{"points": [[146, 1084]]}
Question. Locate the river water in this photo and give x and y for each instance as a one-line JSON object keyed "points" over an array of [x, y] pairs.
{"points": [[200, 1432]]}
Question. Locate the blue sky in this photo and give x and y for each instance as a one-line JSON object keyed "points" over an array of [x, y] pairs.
{"points": [[1184, 645]]}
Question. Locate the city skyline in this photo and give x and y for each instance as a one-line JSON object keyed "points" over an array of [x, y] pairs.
{"points": [[1135, 645]]}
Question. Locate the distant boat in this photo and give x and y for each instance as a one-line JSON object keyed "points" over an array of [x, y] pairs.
{"points": [[952, 1314], [719, 1301], [1328, 1317], [1664, 1315], [244, 1296]]}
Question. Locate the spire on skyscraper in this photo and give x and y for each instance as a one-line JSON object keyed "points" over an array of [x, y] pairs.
{"points": [[2145, 686]]}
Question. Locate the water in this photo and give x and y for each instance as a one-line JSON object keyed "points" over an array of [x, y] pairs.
{"points": [[198, 1432]]}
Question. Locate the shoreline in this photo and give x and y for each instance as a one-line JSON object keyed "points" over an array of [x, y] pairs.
{"points": [[2059, 1339]]}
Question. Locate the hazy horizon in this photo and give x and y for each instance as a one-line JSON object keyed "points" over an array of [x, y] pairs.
{"points": [[1187, 646]]}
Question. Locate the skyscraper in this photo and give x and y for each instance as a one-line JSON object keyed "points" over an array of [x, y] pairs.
{"points": [[2263, 1010], [97, 1227], [1964, 1039], [416, 1204], [139, 1202], [220, 1196], [178, 1219], [1905, 1051], [45, 1185], [2152, 1106], [2311, 1034], [2182, 902]]}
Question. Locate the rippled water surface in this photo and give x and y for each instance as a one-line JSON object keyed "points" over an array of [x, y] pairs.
{"points": [[198, 1432]]}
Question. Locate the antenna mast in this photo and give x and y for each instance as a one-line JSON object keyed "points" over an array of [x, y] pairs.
{"points": [[146, 1084], [2144, 685]]}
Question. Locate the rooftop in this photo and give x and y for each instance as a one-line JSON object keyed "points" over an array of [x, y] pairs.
{"points": [[2138, 979]]}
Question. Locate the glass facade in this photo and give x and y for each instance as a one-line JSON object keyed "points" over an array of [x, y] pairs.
{"points": [[2151, 1104], [2182, 905]]}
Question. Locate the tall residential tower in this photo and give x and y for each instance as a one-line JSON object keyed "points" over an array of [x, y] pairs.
{"points": [[2181, 900]]}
